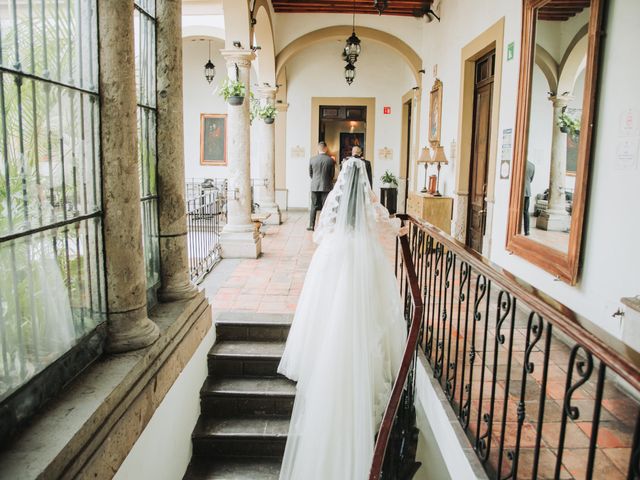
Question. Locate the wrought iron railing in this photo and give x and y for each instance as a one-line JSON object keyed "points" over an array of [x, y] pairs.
{"points": [[205, 219], [538, 390]]}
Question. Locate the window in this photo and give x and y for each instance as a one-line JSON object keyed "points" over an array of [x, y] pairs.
{"points": [[145, 48], [52, 286]]}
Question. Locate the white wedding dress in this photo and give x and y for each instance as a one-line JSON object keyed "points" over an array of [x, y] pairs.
{"points": [[346, 340]]}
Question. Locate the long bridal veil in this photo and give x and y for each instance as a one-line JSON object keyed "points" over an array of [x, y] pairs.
{"points": [[346, 339]]}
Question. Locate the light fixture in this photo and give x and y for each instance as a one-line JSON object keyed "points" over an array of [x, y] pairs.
{"points": [[352, 48], [441, 159], [425, 158], [209, 67], [349, 72], [380, 5]]}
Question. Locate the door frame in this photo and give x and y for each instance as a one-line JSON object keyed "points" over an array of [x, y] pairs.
{"points": [[369, 102], [490, 39]]}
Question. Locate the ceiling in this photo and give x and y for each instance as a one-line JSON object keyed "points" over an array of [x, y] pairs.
{"points": [[562, 10], [408, 8]]}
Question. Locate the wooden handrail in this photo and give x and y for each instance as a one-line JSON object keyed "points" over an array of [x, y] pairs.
{"points": [[618, 356], [403, 372]]}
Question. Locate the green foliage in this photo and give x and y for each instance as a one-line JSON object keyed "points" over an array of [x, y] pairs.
{"points": [[231, 88], [389, 178], [569, 124], [268, 111]]}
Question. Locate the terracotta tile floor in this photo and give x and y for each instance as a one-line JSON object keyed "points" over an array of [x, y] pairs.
{"points": [[272, 284]]}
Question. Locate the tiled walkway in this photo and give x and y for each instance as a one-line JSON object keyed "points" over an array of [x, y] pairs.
{"points": [[272, 283]]}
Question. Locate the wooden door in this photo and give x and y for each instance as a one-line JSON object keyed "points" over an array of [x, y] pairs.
{"points": [[481, 136]]}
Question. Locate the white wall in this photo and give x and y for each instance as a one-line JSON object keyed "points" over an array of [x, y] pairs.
{"points": [[319, 72], [611, 259], [163, 450], [201, 97]]}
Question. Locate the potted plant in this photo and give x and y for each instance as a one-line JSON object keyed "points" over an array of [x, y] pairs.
{"points": [[389, 180], [268, 113], [568, 124], [233, 91]]}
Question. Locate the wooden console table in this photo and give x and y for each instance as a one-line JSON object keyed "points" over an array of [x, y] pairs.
{"points": [[437, 211]]}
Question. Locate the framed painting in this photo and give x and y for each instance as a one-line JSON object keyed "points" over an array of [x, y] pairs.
{"points": [[435, 113], [213, 139], [348, 141]]}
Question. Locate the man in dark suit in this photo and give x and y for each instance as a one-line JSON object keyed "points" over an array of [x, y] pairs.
{"points": [[357, 152], [528, 178], [321, 171]]}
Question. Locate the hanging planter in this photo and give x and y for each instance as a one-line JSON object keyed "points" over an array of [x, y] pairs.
{"points": [[268, 114], [569, 124], [233, 91]]}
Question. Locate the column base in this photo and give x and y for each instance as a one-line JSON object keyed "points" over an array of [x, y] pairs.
{"points": [[177, 293], [130, 331], [240, 242], [274, 218], [553, 221]]}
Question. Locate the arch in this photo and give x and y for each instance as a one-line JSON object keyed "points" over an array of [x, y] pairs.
{"points": [[263, 34], [342, 32], [237, 23], [574, 61], [205, 31], [548, 66]]}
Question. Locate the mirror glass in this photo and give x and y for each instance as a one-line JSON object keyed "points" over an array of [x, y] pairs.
{"points": [[560, 34]]}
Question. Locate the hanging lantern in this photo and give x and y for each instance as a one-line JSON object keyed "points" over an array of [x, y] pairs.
{"points": [[209, 68], [352, 48], [380, 5], [349, 73]]}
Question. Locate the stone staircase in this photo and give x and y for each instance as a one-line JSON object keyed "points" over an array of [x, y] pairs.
{"points": [[245, 404]]}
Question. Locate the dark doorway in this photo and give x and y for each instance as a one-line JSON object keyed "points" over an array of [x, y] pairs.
{"points": [[406, 127], [480, 138], [343, 127]]}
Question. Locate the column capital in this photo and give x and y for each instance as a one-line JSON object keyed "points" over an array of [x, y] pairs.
{"points": [[560, 100], [266, 92], [242, 58]]}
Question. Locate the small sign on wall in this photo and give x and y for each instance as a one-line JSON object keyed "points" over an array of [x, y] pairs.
{"points": [[510, 50], [386, 110], [505, 159]]}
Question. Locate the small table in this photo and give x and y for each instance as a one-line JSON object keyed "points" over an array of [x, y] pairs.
{"points": [[389, 198]]}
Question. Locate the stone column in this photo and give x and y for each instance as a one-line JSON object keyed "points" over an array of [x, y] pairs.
{"points": [[267, 160], [174, 262], [129, 327], [555, 217], [239, 238]]}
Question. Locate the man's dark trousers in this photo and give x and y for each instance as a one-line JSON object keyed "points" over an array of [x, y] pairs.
{"points": [[317, 202]]}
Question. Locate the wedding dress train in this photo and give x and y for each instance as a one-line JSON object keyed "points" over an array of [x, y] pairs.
{"points": [[346, 340]]}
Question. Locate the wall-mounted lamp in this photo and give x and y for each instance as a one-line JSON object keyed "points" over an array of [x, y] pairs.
{"points": [[425, 159]]}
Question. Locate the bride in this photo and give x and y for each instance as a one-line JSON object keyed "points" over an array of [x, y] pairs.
{"points": [[347, 337]]}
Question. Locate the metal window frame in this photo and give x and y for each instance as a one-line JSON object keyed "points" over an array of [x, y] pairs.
{"points": [[21, 404]]}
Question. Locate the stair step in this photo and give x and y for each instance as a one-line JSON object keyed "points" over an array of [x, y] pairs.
{"points": [[247, 395], [257, 436], [253, 326], [233, 469], [249, 358]]}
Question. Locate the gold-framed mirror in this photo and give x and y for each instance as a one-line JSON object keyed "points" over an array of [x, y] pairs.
{"points": [[553, 132]]}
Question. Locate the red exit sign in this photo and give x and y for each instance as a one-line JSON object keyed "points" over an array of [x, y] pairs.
{"points": [[387, 110]]}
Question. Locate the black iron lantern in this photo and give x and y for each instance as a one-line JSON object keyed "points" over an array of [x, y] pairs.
{"points": [[349, 72], [352, 49], [209, 68], [380, 5]]}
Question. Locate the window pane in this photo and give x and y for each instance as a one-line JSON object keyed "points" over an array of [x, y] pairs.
{"points": [[52, 285], [145, 42], [51, 294]]}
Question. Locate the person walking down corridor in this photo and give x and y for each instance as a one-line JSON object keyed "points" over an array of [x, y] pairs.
{"points": [[321, 170]]}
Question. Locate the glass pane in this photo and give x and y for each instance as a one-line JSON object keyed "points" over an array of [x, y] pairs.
{"points": [[51, 294], [52, 285], [144, 25]]}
